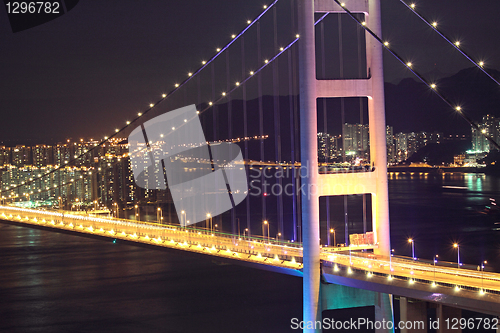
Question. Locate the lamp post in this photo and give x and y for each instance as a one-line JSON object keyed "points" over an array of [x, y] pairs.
{"points": [[435, 260], [410, 240], [390, 260], [332, 231], [457, 246], [60, 203], [137, 217], [245, 232], [482, 274], [209, 216], [264, 224], [183, 213], [278, 236], [159, 215]]}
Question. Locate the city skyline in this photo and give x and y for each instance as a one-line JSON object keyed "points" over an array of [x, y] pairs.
{"points": [[388, 222], [79, 90]]}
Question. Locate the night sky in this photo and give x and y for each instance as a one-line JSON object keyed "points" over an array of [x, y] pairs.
{"points": [[88, 71]]}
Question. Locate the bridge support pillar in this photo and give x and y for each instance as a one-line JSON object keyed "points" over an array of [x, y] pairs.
{"points": [[371, 87], [448, 312], [412, 312], [309, 160], [403, 312], [337, 297]]}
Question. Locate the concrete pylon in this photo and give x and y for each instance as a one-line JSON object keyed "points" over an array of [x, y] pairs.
{"points": [[309, 160], [316, 185]]}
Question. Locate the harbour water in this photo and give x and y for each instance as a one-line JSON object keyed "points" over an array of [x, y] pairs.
{"points": [[60, 282]]}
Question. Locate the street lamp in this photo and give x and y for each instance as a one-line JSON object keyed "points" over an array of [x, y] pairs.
{"points": [[482, 274], [265, 223], [183, 213], [278, 236], [390, 259], [159, 215], [435, 260], [245, 232], [116, 209], [332, 231], [210, 217], [410, 240], [458, 253], [137, 218]]}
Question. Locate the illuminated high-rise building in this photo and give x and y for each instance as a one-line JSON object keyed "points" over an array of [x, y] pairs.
{"points": [[4, 155], [42, 155], [356, 140], [391, 148], [21, 155], [401, 140], [327, 147], [490, 126]]}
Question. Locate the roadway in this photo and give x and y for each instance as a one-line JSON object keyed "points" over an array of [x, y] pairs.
{"points": [[258, 250]]}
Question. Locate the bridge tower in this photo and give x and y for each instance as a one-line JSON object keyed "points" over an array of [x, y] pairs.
{"points": [[315, 184]]}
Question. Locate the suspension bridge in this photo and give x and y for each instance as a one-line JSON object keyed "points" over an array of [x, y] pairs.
{"points": [[277, 131]]}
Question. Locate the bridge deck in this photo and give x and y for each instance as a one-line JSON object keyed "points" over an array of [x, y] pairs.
{"points": [[284, 255]]}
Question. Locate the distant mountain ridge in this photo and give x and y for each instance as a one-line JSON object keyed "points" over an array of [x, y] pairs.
{"points": [[411, 106]]}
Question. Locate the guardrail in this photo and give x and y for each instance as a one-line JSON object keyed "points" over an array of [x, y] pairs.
{"points": [[257, 249], [410, 270], [191, 239]]}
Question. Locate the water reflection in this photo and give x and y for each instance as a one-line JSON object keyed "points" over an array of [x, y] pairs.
{"points": [[440, 208]]}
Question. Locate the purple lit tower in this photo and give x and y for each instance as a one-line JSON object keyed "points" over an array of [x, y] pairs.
{"points": [[316, 185]]}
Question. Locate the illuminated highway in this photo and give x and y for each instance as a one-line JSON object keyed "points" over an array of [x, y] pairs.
{"points": [[258, 250]]}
